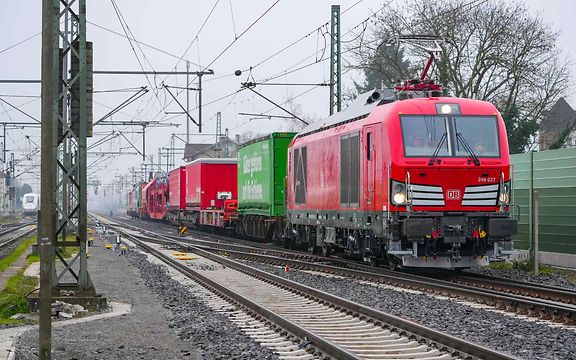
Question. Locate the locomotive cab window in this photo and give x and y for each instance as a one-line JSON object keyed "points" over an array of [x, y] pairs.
{"points": [[478, 132], [422, 135]]}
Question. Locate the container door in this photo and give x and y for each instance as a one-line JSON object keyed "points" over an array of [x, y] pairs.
{"points": [[369, 154]]}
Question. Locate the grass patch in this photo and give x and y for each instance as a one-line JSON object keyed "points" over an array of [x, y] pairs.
{"points": [[32, 258], [528, 266], [13, 298], [7, 261], [68, 251], [501, 265]]}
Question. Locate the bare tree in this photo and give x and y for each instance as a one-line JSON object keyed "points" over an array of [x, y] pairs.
{"points": [[496, 51]]}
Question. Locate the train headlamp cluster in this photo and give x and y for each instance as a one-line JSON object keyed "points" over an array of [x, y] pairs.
{"points": [[504, 197], [399, 196]]}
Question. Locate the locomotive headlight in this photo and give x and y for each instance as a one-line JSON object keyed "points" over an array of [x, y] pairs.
{"points": [[446, 109], [398, 193], [400, 198], [504, 197]]}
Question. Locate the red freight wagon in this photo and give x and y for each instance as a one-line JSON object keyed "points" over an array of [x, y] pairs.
{"points": [[176, 202], [144, 211], [157, 199], [129, 211], [211, 191]]}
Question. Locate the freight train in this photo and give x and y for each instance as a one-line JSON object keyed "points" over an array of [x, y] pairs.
{"points": [[404, 176]]}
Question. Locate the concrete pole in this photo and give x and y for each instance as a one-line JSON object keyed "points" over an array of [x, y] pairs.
{"points": [[46, 225], [536, 255], [45, 300]]}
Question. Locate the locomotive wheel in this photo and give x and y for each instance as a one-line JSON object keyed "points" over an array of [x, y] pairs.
{"points": [[393, 263]]}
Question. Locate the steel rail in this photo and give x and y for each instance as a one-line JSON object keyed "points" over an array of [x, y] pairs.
{"points": [[545, 292], [322, 344], [17, 238], [448, 342]]}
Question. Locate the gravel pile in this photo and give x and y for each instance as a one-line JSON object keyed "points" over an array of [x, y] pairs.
{"points": [[194, 321], [524, 339], [556, 279]]}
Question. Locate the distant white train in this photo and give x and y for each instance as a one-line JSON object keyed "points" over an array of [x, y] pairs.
{"points": [[30, 204]]}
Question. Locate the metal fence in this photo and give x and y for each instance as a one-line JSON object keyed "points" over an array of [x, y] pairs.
{"points": [[553, 174]]}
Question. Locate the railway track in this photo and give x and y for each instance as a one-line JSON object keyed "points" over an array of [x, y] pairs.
{"points": [[5, 243], [552, 293], [546, 303], [324, 324]]}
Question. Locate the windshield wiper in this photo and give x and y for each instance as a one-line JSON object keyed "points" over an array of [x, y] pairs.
{"points": [[468, 149], [437, 150]]}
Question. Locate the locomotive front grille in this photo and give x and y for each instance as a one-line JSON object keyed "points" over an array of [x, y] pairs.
{"points": [[482, 195], [425, 195]]}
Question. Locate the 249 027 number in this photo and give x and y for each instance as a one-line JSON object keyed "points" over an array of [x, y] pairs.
{"points": [[486, 179]]}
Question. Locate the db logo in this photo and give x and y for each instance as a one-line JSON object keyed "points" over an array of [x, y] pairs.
{"points": [[453, 194]]}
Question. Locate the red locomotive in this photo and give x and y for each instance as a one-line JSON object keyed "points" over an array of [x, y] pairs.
{"points": [[423, 182]]}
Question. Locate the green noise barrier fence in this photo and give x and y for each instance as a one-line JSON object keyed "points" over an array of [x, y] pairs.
{"points": [[553, 174]]}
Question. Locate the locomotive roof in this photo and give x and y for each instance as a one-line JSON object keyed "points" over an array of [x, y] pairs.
{"points": [[359, 108]]}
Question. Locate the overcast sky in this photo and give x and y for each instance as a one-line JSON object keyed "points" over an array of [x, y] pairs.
{"points": [[234, 37]]}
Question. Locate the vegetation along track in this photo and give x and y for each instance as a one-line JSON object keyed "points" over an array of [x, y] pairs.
{"points": [[334, 327]]}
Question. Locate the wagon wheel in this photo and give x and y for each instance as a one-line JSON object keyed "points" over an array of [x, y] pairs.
{"points": [[312, 248], [326, 251], [393, 263]]}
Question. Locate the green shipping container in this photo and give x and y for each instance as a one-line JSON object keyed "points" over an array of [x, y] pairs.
{"points": [[261, 172]]}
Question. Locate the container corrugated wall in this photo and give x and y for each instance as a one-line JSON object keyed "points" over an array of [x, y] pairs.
{"points": [[261, 172], [553, 174]]}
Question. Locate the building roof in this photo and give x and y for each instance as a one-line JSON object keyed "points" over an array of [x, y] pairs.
{"points": [[560, 116], [225, 147]]}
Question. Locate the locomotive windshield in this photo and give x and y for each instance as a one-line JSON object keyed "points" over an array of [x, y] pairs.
{"points": [[449, 135], [481, 132], [29, 199], [422, 135]]}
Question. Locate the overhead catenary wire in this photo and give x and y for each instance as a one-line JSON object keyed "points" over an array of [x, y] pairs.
{"points": [[136, 41], [126, 29], [223, 52]]}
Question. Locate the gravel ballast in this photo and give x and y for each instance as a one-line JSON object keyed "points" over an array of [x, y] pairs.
{"points": [[194, 321], [524, 339], [556, 280], [167, 320]]}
